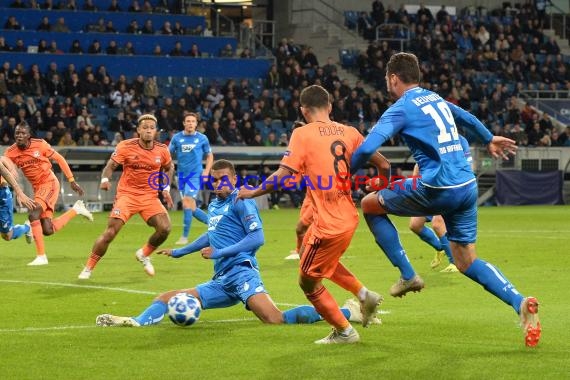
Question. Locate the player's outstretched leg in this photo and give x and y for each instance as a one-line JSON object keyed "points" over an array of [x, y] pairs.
{"points": [[388, 240]]}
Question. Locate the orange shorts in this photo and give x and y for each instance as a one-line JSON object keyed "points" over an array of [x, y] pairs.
{"points": [[306, 215], [45, 194], [126, 206], [320, 256]]}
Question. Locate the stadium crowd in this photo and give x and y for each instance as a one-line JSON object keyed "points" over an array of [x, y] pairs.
{"points": [[476, 63]]}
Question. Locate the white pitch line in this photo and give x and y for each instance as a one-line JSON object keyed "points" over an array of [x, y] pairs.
{"points": [[69, 285]]}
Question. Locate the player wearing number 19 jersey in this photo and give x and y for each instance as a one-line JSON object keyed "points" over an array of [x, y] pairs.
{"points": [[447, 186]]}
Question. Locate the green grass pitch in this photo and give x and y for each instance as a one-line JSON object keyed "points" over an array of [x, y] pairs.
{"points": [[451, 330]]}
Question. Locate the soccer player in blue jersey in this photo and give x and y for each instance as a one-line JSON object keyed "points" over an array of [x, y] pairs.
{"points": [[447, 186], [190, 147], [437, 237], [234, 235], [9, 231]]}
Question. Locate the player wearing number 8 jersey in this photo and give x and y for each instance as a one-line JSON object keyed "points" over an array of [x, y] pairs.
{"points": [[447, 185], [321, 150]]}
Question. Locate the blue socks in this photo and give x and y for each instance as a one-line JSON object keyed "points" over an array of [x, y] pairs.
{"points": [[187, 222], [388, 240], [19, 230], [495, 283], [188, 213], [201, 215], [427, 235], [446, 248], [306, 314], [152, 314]]}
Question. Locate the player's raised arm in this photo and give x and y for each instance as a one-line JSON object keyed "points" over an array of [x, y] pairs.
{"points": [[67, 172]]}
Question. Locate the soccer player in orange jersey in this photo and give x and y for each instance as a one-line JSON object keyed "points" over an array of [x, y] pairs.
{"points": [[321, 150], [33, 157], [144, 162]]}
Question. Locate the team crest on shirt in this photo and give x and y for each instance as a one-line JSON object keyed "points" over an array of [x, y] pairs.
{"points": [[36, 153], [157, 160], [196, 141]]}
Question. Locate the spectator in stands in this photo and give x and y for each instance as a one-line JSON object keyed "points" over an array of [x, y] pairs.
{"points": [[227, 51], [94, 48], [273, 79], [546, 123], [147, 27], [150, 89], [89, 6], [177, 50], [110, 28], [128, 49], [67, 140], [114, 6], [365, 26], [232, 135], [138, 86], [3, 45], [157, 52], [121, 97], [194, 51], [44, 25], [166, 29], [18, 4], [76, 47], [133, 27], [91, 88], [43, 46], [246, 53], [60, 26], [213, 134], [119, 123], [536, 137], [378, 13], [165, 121], [178, 29], [55, 86], [112, 48], [135, 7], [18, 86], [441, 15], [117, 138], [86, 118], [12, 24], [20, 47], [308, 58], [7, 131]]}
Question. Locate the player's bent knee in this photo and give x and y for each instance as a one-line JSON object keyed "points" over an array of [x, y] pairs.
{"points": [[370, 205]]}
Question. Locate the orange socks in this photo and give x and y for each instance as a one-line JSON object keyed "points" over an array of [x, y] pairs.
{"points": [[38, 235], [92, 261], [59, 222], [327, 307], [346, 280], [147, 250]]}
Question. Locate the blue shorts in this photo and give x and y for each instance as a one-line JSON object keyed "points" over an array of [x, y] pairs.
{"points": [[457, 206], [235, 286], [190, 187], [6, 210]]}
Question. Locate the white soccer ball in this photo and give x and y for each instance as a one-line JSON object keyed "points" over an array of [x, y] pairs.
{"points": [[184, 309]]}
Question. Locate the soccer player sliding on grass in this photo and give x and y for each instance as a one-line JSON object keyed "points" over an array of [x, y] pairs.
{"points": [[447, 186], [234, 235]]}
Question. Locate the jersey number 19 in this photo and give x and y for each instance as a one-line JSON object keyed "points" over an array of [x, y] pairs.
{"points": [[447, 128]]}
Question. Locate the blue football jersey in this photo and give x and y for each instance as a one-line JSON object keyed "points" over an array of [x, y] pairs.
{"points": [[466, 149], [427, 123], [189, 151], [229, 222]]}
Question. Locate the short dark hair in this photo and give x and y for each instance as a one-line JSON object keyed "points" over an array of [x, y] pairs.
{"points": [[405, 66], [224, 164], [314, 96], [24, 124], [195, 115]]}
